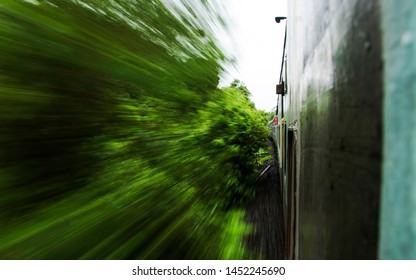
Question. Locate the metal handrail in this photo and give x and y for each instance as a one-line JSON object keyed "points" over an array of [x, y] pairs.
{"points": [[281, 75], [283, 56]]}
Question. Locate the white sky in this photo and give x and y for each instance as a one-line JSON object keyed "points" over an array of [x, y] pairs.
{"points": [[258, 46]]}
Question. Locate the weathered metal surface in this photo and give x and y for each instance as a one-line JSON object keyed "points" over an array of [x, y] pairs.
{"points": [[398, 211], [335, 100]]}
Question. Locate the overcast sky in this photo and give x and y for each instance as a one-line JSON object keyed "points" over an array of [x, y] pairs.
{"points": [[257, 46]]}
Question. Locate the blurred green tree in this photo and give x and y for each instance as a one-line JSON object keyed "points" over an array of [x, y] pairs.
{"points": [[115, 141]]}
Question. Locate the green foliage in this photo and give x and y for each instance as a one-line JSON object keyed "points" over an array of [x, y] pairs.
{"points": [[237, 84], [232, 132], [115, 142]]}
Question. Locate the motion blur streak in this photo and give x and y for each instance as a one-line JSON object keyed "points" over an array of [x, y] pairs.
{"points": [[115, 141]]}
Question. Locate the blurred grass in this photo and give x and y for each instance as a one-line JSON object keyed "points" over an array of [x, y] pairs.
{"points": [[115, 141]]}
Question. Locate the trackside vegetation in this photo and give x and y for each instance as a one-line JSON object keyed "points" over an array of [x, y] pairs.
{"points": [[115, 140]]}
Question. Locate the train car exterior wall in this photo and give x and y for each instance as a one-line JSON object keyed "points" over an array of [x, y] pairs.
{"points": [[398, 209], [333, 116]]}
